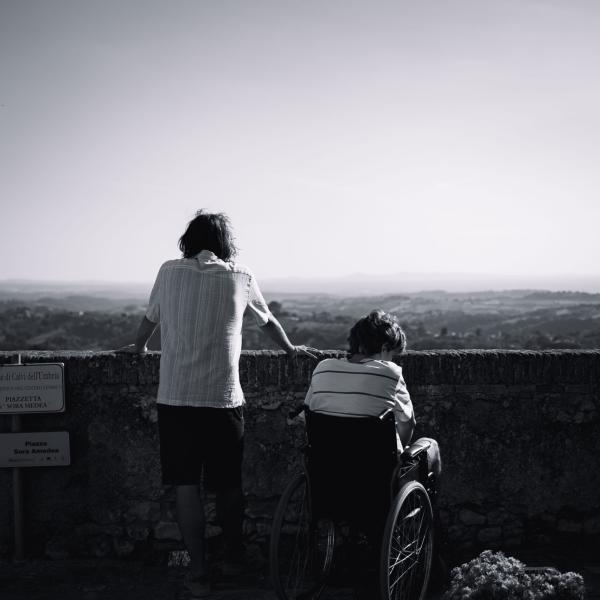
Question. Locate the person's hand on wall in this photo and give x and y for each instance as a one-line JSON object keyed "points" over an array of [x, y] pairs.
{"points": [[131, 349], [303, 351], [145, 330]]}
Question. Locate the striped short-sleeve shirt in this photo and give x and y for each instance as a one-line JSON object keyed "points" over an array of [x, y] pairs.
{"points": [[200, 303], [367, 388]]}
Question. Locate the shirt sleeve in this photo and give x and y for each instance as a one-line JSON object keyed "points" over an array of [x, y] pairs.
{"points": [[256, 303], [153, 311], [309, 396], [403, 408]]}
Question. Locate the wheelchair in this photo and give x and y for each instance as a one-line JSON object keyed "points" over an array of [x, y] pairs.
{"points": [[353, 476]]}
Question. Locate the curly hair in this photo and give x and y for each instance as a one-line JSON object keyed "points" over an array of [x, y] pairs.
{"points": [[208, 231], [370, 333]]}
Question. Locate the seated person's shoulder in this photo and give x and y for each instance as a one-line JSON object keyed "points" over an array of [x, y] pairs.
{"points": [[328, 364], [388, 367]]}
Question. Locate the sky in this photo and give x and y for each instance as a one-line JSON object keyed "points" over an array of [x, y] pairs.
{"points": [[341, 137]]}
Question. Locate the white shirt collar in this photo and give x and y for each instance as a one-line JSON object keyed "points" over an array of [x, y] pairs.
{"points": [[206, 255]]}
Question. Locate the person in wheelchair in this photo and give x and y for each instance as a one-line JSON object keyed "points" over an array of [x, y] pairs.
{"points": [[367, 382], [361, 474], [365, 485]]}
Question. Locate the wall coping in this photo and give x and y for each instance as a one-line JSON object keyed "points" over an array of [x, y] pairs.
{"points": [[260, 368], [38, 354]]}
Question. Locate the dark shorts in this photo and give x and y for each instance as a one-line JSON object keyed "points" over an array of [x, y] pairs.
{"points": [[200, 445]]}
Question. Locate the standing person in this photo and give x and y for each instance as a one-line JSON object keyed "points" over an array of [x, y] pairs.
{"points": [[199, 301]]}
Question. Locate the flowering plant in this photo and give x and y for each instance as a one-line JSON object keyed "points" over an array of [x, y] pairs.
{"points": [[494, 576]]}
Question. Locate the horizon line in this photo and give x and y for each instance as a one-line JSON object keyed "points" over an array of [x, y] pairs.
{"points": [[338, 286], [348, 277]]}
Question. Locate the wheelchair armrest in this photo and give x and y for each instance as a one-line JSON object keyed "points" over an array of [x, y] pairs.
{"points": [[381, 416], [411, 452]]}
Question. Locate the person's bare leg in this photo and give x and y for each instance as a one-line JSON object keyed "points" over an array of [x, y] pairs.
{"points": [[230, 513], [191, 520]]}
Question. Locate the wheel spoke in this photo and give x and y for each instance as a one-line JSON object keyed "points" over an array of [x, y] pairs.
{"points": [[408, 535], [301, 551]]}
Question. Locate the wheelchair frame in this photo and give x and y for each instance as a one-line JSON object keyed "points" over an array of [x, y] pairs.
{"points": [[302, 547]]}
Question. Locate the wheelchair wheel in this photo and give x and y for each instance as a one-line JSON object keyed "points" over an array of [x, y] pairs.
{"points": [[407, 547], [301, 551]]}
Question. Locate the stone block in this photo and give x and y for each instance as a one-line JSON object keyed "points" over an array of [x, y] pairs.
{"points": [[212, 531], [166, 530], [100, 546], [591, 526], [568, 526], [512, 529], [470, 517], [178, 558], [123, 547], [540, 539], [146, 511], [271, 404], [56, 549], [457, 533], [112, 530], [104, 514], [489, 535], [578, 389], [496, 517], [138, 531]]}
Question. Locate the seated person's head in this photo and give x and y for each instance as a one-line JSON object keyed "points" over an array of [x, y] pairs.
{"points": [[377, 334]]}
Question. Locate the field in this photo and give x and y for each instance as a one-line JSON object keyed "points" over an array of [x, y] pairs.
{"points": [[516, 319]]}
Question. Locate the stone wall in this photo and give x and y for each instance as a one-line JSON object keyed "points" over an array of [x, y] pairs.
{"points": [[519, 433]]}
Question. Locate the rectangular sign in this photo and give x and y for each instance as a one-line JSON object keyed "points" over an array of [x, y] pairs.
{"points": [[34, 388], [39, 449]]}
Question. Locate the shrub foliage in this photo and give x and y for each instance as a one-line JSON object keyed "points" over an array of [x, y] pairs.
{"points": [[494, 576]]}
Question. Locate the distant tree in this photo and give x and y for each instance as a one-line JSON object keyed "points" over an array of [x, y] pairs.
{"points": [[275, 307]]}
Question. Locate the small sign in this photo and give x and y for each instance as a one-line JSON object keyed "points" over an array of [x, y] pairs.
{"points": [[39, 449], [33, 388]]}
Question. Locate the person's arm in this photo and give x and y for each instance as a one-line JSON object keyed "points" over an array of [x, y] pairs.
{"points": [[269, 324], [145, 330], [404, 412], [275, 331], [405, 430], [149, 322]]}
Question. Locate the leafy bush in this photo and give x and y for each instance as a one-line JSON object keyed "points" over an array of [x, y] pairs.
{"points": [[494, 576]]}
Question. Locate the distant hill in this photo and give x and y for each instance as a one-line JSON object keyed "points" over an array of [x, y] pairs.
{"points": [[60, 319], [106, 297], [30, 289], [358, 285], [403, 283], [563, 296]]}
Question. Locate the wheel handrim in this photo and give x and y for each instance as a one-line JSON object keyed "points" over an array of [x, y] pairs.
{"points": [[409, 547], [303, 550]]}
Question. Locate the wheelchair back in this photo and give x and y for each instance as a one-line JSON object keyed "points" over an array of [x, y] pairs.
{"points": [[353, 467]]}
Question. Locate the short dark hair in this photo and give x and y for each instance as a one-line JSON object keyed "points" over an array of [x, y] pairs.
{"points": [[208, 231], [370, 333]]}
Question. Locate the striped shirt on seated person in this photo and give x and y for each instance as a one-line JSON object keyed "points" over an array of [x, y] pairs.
{"points": [[340, 387]]}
